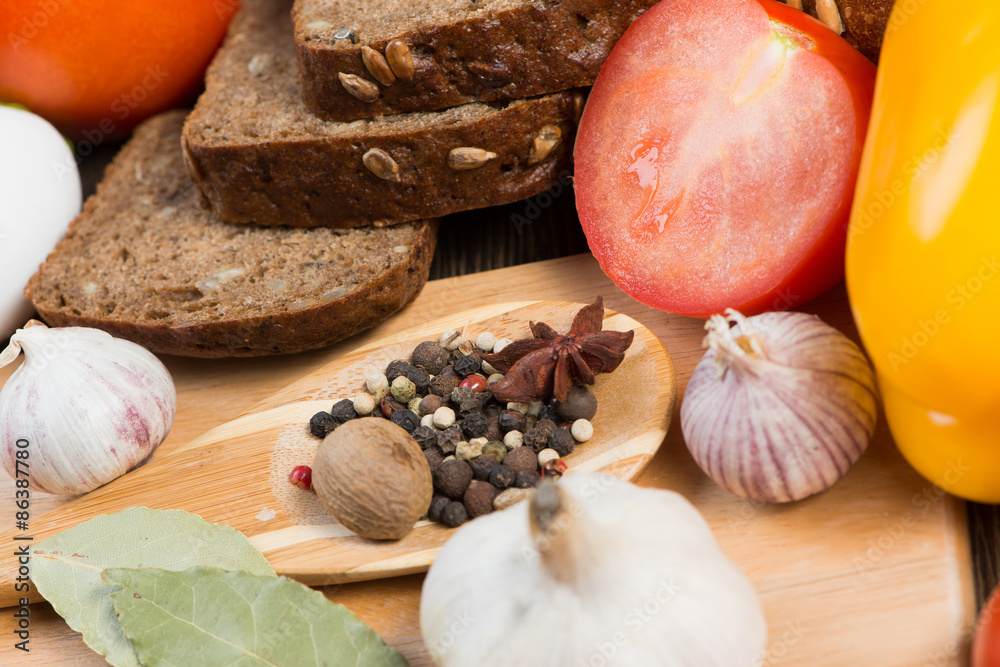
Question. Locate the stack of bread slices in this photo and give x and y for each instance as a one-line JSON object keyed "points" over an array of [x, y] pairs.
{"points": [[296, 204]]}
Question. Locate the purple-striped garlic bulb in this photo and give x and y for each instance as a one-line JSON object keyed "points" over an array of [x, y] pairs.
{"points": [[83, 409], [780, 407]]}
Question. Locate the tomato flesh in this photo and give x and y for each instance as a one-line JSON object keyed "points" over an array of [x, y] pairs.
{"points": [[716, 156]]}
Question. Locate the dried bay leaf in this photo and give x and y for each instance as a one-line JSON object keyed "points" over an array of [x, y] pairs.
{"points": [[66, 568], [207, 616]]}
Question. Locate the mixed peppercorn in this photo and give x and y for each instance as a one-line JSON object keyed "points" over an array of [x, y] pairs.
{"points": [[485, 436], [477, 446]]}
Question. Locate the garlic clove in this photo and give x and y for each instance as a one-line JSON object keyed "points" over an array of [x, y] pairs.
{"points": [[85, 406]]}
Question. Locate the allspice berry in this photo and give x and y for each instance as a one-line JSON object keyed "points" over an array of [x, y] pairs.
{"points": [[452, 478], [373, 478], [430, 356], [478, 498], [580, 403], [521, 458]]}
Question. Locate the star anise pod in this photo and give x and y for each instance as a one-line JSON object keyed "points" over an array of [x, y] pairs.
{"points": [[549, 363]]}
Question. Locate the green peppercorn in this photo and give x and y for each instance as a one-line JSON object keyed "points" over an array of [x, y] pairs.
{"points": [[495, 449], [403, 389]]}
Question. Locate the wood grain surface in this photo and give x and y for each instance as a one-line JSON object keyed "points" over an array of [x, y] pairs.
{"points": [[876, 571], [255, 453]]}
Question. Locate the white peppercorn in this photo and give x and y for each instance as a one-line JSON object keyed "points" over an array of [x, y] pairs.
{"points": [[444, 417], [493, 379], [466, 451], [485, 341], [513, 439], [427, 420], [479, 441], [547, 455], [500, 344], [582, 430], [520, 407], [535, 408], [376, 381], [364, 404], [488, 369]]}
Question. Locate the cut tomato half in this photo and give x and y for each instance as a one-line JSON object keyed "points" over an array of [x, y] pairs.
{"points": [[717, 156]]}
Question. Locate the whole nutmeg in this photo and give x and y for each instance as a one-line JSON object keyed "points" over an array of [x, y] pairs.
{"points": [[478, 498], [580, 403], [430, 356], [373, 478]]}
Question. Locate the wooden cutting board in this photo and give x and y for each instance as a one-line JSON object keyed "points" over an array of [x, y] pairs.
{"points": [[876, 571]]}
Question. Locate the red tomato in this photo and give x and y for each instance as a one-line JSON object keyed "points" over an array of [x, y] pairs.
{"points": [[986, 646], [96, 68], [717, 156]]}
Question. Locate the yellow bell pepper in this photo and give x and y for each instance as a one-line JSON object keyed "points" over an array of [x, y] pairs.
{"points": [[923, 255]]}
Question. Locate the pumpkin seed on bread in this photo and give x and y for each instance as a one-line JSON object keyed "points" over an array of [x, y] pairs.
{"points": [[258, 155]]}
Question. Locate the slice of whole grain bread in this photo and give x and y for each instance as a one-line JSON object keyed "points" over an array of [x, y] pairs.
{"points": [[145, 262], [258, 155], [462, 51]]}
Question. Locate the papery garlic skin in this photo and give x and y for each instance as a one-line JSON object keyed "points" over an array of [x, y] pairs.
{"points": [[641, 584], [91, 407], [780, 407]]}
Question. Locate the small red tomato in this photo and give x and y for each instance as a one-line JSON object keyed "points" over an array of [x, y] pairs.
{"points": [[986, 646], [717, 156], [301, 476], [475, 381]]}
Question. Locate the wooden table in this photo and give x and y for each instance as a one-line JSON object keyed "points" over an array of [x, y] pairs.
{"points": [[471, 242]]}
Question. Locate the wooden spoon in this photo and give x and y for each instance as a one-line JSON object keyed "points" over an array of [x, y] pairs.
{"points": [[237, 473]]}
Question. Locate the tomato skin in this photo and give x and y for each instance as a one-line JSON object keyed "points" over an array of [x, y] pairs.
{"points": [[96, 68], [797, 273], [986, 645]]}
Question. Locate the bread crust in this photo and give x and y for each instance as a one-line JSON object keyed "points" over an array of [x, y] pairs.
{"points": [[281, 331], [534, 48], [301, 171]]}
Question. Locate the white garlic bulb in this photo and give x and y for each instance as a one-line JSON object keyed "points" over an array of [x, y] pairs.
{"points": [[83, 409], [593, 570]]}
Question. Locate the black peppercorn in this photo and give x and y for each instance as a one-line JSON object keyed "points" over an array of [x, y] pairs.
{"points": [[396, 368], [454, 514], [343, 411], [548, 413], [562, 441], [526, 479], [512, 420], [474, 425], [430, 356], [478, 498], [537, 437], [425, 436], [467, 400], [448, 439], [419, 377], [407, 419], [521, 458], [469, 364], [452, 478], [580, 403], [482, 466], [434, 458], [502, 477], [321, 424], [445, 382], [438, 503]]}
